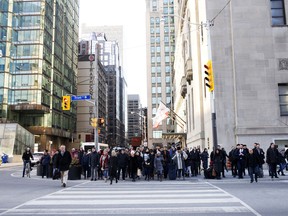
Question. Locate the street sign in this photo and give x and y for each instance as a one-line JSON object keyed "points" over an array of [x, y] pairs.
{"points": [[80, 97]]}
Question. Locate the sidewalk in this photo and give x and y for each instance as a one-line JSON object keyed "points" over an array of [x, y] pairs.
{"points": [[9, 165]]}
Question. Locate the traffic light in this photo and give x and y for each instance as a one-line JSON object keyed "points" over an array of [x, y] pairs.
{"points": [[209, 79], [66, 100], [93, 122], [101, 122]]}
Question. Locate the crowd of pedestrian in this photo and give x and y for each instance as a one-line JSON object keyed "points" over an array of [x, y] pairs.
{"points": [[163, 163]]}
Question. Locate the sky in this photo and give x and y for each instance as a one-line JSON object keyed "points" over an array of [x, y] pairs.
{"points": [[131, 15]]}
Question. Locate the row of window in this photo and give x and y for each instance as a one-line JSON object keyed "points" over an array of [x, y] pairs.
{"points": [[278, 12]]}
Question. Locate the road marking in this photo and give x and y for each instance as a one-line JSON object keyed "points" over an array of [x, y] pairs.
{"points": [[242, 202], [149, 199]]}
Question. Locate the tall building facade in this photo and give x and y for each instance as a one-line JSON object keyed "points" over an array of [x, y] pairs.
{"points": [[38, 65], [109, 56], [248, 49], [91, 78], [134, 118], [160, 28]]}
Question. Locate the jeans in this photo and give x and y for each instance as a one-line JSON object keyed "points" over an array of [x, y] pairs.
{"points": [[94, 172], [45, 170], [24, 166]]}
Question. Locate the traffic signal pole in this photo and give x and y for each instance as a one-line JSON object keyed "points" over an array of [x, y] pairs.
{"points": [[212, 95]]}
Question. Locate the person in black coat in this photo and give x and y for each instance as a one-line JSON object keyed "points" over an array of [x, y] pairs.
{"points": [[26, 159], [166, 162], [64, 161], [133, 162], [194, 156], [54, 164], [204, 158], [252, 162], [123, 160], [272, 159], [217, 159], [94, 163], [45, 162], [113, 166], [240, 155]]}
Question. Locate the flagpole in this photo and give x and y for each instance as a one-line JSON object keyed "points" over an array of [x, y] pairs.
{"points": [[175, 113]]}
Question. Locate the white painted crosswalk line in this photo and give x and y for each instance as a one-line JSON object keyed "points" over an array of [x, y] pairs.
{"points": [[97, 198]]}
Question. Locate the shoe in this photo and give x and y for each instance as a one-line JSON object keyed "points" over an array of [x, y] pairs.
{"points": [[251, 181], [111, 183], [133, 180], [116, 181], [91, 179], [64, 185], [256, 180], [276, 177], [95, 179], [282, 174]]}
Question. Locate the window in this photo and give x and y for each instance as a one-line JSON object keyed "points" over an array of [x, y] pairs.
{"points": [[283, 98], [278, 12], [157, 134]]}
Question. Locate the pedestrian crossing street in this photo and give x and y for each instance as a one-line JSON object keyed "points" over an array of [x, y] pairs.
{"points": [[136, 198]]}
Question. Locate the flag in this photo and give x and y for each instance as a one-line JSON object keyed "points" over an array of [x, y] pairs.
{"points": [[161, 114]]}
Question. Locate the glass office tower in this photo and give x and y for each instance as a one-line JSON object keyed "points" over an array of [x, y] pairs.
{"points": [[38, 65]]}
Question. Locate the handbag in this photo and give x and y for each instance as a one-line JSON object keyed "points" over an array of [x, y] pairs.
{"points": [[139, 172], [56, 174]]}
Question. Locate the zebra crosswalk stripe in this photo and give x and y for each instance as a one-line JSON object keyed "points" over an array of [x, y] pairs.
{"points": [[126, 198]]}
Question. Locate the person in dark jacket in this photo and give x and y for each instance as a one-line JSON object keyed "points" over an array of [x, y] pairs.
{"points": [[64, 161], [94, 163], [281, 162], [204, 158], [27, 155], [85, 163], [123, 160], [252, 162], [158, 165], [113, 166], [194, 156], [166, 162], [54, 163], [45, 162], [272, 159], [240, 155], [133, 164], [217, 162], [233, 161]]}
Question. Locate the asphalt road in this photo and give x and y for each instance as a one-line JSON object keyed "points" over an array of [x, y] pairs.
{"points": [[194, 196]]}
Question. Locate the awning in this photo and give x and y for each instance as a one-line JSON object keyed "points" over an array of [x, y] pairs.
{"points": [[174, 136]]}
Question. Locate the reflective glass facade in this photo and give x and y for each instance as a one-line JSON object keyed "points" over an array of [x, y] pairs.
{"points": [[39, 45]]}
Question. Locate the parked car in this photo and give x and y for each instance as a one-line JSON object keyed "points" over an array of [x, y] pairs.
{"points": [[36, 158]]}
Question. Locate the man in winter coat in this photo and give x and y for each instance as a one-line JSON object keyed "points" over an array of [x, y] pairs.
{"points": [[253, 162], [272, 159], [64, 161], [123, 160], [94, 163], [45, 162]]}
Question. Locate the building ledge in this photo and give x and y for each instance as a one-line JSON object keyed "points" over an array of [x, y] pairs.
{"points": [[38, 108]]}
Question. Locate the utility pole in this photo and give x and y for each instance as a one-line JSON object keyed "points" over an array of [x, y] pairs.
{"points": [[94, 89], [213, 112]]}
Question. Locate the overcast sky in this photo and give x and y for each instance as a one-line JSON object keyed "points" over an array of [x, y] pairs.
{"points": [[131, 15]]}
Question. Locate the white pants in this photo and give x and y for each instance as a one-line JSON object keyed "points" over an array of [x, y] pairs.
{"points": [[64, 177]]}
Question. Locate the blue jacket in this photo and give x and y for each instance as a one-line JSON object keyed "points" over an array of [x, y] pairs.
{"points": [[45, 159]]}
